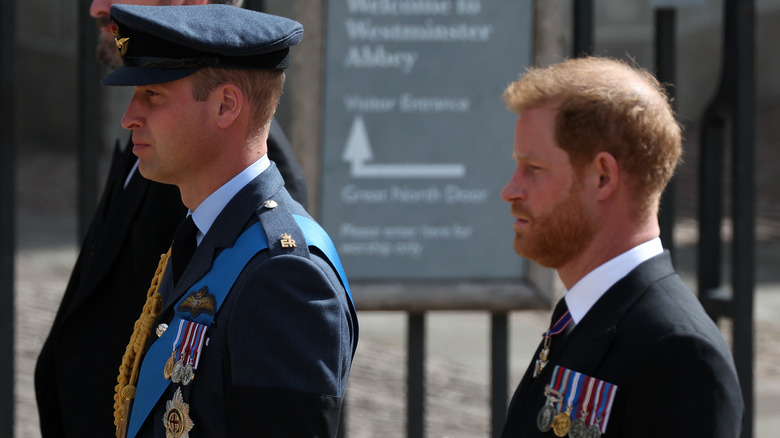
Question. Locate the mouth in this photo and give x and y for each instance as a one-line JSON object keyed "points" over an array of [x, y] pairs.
{"points": [[520, 225], [522, 216], [139, 146]]}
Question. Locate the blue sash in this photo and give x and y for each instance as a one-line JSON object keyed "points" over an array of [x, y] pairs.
{"points": [[224, 272]]}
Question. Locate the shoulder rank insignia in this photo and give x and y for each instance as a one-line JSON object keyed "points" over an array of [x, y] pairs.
{"points": [[287, 241], [198, 302]]}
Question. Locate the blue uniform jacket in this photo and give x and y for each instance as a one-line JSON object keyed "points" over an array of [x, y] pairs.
{"points": [[281, 345]]}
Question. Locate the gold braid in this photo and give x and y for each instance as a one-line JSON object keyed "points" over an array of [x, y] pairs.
{"points": [[131, 360]]}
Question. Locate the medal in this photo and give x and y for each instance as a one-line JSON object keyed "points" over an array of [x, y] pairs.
{"points": [[557, 328], [543, 356], [578, 428], [188, 374], [562, 423], [579, 425], [546, 416], [544, 421], [168, 369], [170, 363], [592, 432], [176, 419], [605, 397], [183, 362], [578, 383], [178, 370], [577, 405]]}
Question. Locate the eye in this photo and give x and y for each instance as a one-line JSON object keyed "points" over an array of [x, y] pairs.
{"points": [[534, 168]]}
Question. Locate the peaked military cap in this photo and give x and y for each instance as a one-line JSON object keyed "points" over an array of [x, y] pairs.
{"points": [[164, 43]]}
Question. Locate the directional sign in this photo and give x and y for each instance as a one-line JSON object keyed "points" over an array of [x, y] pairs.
{"points": [[358, 151], [417, 143]]}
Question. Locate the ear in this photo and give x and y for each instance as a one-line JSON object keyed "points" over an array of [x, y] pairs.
{"points": [[231, 101], [604, 170]]}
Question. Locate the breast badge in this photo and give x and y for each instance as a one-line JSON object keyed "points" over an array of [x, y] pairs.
{"points": [[201, 301], [177, 419]]}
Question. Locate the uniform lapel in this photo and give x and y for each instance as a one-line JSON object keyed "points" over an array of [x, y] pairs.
{"points": [[237, 215]]}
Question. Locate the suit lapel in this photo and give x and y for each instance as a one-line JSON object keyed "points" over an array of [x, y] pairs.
{"points": [[118, 209], [586, 346]]}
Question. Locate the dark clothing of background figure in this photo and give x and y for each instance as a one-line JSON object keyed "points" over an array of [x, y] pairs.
{"points": [[649, 335], [79, 362], [281, 344]]}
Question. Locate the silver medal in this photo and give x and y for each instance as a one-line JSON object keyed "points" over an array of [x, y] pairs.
{"points": [[188, 374], [578, 428], [178, 371], [545, 418]]}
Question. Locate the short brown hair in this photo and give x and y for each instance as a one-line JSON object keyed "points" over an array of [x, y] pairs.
{"points": [[607, 105], [263, 88]]}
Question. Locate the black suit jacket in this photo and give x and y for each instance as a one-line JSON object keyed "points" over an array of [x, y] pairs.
{"points": [[79, 362], [280, 347], [649, 335]]}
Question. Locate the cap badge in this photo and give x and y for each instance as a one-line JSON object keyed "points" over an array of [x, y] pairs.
{"points": [[287, 241], [121, 43]]}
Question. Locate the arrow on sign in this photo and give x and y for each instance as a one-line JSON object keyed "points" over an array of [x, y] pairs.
{"points": [[358, 151]]}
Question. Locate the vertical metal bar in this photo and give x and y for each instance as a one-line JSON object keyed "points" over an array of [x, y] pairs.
{"points": [[415, 404], [499, 371], [743, 205], [7, 223], [710, 208], [583, 28], [665, 65], [88, 118], [734, 103]]}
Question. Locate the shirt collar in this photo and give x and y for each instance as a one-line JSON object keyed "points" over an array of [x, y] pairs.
{"points": [[584, 294], [208, 210]]}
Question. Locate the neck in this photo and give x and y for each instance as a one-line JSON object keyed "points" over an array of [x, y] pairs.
{"points": [[609, 242]]}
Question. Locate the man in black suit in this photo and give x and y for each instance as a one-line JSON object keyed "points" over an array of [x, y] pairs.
{"points": [[630, 351], [134, 223], [250, 329]]}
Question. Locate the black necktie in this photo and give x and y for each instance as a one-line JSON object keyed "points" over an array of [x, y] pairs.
{"points": [[184, 244]]}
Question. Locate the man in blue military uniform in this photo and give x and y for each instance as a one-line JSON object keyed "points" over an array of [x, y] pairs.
{"points": [[133, 224], [250, 329]]}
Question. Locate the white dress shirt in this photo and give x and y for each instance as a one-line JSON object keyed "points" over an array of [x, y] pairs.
{"points": [[584, 294], [208, 210]]}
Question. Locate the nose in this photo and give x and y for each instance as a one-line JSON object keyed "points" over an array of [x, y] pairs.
{"points": [[132, 118], [513, 190], [100, 8]]}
